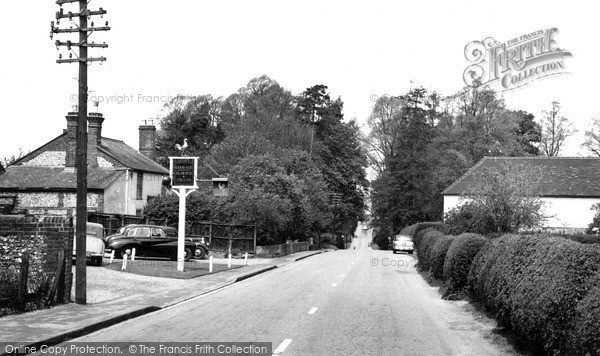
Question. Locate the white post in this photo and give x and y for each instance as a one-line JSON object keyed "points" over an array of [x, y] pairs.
{"points": [[229, 261], [112, 256], [133, 254], [181, 237], [124, 266], [246, 259], [210, 266]]}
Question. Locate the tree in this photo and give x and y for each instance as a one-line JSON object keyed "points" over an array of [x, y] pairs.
{"points": [[337, 152], [404, 192], [555, 130], [10, 160], [501, 200], [384, 124], [592, 137], [283, 192], [196, 119], [257, 120]]}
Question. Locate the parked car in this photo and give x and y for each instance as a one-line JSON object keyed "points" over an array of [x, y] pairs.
{"points": [[152, 240], [94, 244], [402, 243]]}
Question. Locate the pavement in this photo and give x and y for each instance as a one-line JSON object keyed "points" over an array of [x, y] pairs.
{"points": [[65, 322]]}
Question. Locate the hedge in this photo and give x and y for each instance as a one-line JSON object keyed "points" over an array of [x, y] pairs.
{"points": [[533, 285], [425, 248], [418, 237], [585, 337], [458, 260], [414, 229], [438, 255]]}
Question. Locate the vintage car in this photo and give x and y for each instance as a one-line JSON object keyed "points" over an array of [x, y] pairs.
{"points": [[152, 240], [94, 244], [402, 243]]}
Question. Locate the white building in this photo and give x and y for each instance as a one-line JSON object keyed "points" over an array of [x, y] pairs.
{"points": [[569, 187]]}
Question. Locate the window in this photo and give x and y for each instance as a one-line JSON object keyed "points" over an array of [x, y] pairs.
{"points": [[140, 185], [158, 233]]}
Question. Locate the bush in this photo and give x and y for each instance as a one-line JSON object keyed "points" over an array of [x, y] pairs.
{"points": [[438, 255], [458, 261], [533, 285], [418, 237], [584, 339], [426, 246]]}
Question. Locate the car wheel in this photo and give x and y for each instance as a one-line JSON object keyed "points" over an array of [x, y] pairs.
{"points": [[98, 262], [187, 254], [394, 252], [122, 252], [410, 252], [201, 254]]}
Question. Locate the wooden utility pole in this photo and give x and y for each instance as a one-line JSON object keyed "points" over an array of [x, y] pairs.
{"points": [[81, 136]]}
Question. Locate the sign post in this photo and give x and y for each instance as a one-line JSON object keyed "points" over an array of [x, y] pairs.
{"points": [[183, 172]]}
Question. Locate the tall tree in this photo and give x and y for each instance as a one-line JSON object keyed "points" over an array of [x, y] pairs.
{"points": [[384, 124], [555, 130], [196, 119], [337, 151]]}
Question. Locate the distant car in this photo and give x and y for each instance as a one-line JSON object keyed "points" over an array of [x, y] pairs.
{"points": [[402, 243], [94, 244], [152, 240]]}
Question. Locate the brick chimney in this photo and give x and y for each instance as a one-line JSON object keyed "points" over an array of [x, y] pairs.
{"points": [[148, 141], [71, 139], [94, 138]]}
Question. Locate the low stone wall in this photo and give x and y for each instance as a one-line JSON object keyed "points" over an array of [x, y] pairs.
{"points": [[281, 250], [42, 238]]}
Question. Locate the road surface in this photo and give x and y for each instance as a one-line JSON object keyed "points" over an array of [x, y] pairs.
{"points": [[352, 302]]}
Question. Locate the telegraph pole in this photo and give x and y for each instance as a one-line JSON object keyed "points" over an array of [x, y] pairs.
{"points": [[81, 146]]}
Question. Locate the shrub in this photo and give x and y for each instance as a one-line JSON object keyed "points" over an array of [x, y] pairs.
{"points": [[426, 246], [458, 261], [533, 285], [584, 339], [438, 255], [551, 285], [418, 237]]}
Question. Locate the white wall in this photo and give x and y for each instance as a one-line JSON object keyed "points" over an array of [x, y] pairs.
{"points": [[562, 212]]}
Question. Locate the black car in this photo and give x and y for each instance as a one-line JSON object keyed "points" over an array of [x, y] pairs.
{"points": [[151, 240]]}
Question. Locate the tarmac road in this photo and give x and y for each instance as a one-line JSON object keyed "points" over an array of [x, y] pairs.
{"points": [[352, 302]]}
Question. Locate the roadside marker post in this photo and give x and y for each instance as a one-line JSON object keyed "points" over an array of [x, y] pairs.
{"points": [[246, 259], [112, 257], [210, 264], [229, 261], [183, 174], [133, 254], [124, 266]]}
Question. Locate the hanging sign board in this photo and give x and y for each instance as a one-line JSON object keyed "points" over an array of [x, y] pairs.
{"points": [[184, 172]]}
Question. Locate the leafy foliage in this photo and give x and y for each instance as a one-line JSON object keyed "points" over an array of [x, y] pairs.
{"points": [[426, 249], [533, 285], [500, 200], [459, 258], [438, 255]]}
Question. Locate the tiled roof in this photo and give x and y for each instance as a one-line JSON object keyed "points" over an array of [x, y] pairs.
{"points": [[561, 176], [129, 157], [54, 178]]}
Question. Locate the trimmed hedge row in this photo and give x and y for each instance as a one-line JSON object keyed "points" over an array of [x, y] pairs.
{"points": [[458, 260], [585, 338], [438, 255], [533, 285], [425, 249]]}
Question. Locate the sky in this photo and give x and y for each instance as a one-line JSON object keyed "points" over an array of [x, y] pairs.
{"points": [[360, 50]]}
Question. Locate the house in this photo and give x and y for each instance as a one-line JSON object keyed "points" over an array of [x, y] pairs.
{"points": [[120, 179], [569, 187]]}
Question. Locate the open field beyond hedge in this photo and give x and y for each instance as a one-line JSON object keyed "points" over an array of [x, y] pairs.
{"points": [[544, 289]]}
